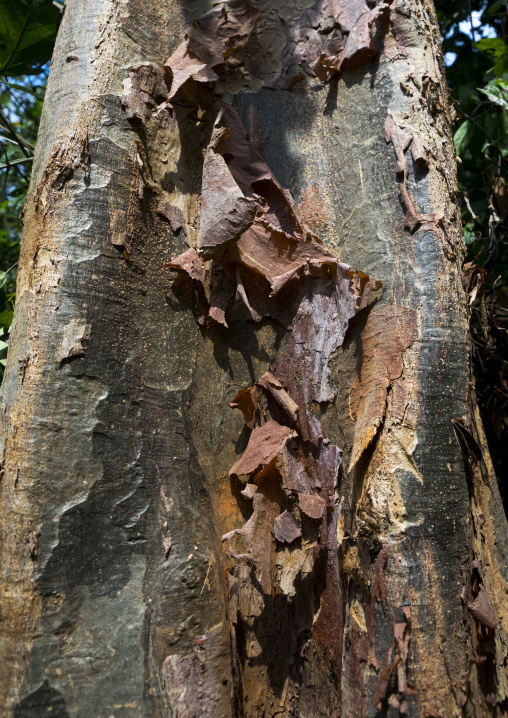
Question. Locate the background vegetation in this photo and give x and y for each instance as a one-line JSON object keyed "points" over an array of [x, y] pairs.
{"points": [[476, 54], [475, 43]]}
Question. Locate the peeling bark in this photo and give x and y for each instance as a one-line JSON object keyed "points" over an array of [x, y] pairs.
{"points": [[247, 207]]}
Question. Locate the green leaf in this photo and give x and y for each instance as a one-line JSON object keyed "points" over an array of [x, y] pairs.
{"points": [[6, 318], [494, 7], [469, 233], [495, 94], [463, 136], [27, 34], [496, 47], [493, 45]]}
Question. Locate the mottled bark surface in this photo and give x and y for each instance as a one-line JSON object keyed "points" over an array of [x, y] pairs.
{"points": [[243, 471]]}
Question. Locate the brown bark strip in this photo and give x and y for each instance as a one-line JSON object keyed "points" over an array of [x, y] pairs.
{"points": [[214, 37], [225, 211], [265, 443], [388, 333]]}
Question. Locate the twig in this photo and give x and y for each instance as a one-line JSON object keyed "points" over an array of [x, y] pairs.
{"points": [[20, 140], [15, 162]]}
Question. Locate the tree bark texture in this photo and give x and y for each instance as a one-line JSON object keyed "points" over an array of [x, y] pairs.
{"points": [[268, 219]]}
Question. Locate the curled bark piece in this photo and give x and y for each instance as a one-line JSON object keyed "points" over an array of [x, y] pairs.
{"points": [[190, 263], [388, 333], [244, 161], [363, 287], [237, 186], [225, 211], [312, 505], [143, 90], [74, 334], [275, 257], [254, 177], [419, 152], [318, 329], [332, 36], [264, 445], [241, 294], [222, 294], [286, 528], [247, 401], [481, 609], [400, 139], [413, 220], [209, 41], [275, 389]]}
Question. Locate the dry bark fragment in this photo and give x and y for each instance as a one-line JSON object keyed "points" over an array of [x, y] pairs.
{"points": [[264, 445], [400, 139], [209, 41], [247, 401], [275, 389], [413, 219], [74, 334], [286, 528], [317, 330], [194, 682], [190, 263], [268, 500], [225, 211], [420, 155], [388, 333], [312, 505], [481, 609], [143, 91], [275, 256]]}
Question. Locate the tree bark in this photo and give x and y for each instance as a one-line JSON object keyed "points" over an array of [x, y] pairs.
{"points": [[336, 547]]}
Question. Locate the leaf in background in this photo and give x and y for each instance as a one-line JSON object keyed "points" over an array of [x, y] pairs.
{"points": [[6, 318], [469, 233], [494, 45], [497, 47], [495, 7], [495, 94], [462, 136], [27, 34]]}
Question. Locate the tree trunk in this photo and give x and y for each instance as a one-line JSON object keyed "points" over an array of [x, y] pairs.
{"points": [[333, 546]]}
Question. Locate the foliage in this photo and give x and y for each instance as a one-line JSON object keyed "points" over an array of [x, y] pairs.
{"points": [[475, 41], [6, 314], [27, 35]]}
